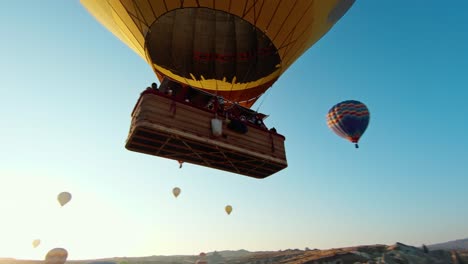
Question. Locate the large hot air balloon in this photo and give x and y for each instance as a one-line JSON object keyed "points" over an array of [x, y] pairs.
{"points": [[56, 256], [176, 191], [349, 119], [36, 243], [228, 209], [63, 198], [223, 49]]}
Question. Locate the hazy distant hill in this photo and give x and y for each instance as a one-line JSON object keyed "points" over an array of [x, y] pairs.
{"points": [[232, 253], [460, 244], [102, 262]]}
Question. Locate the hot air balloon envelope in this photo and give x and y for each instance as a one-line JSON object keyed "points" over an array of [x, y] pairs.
{"points": [[228, 209], [36, 242], [237, 49], [56, 256], [349, 119], [176, 191], [64, 198]]}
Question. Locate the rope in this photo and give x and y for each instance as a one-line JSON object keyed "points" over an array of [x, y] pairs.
{"points": [[264, 97]]}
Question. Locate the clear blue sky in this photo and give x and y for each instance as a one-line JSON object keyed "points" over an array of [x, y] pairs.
{"points": [[67, 88]]}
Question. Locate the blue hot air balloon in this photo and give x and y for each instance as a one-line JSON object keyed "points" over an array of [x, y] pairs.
{"points": [[349, 119]]}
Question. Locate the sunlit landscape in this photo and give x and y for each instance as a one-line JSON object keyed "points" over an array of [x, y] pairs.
{"points": [[228, 131]]}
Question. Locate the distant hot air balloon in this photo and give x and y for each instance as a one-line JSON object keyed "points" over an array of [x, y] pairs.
{"points": [[228, 209], [36, 243], [349, 119], [56, 256], [64, 198], [176, 191], [202, 259]]}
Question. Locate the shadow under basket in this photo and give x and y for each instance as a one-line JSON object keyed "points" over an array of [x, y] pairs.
{"points": [[164, 127]]}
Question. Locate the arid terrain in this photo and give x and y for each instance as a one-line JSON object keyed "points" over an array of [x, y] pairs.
{"points": [[378, 254]]}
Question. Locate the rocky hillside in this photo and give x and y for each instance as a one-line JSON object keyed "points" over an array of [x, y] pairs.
{"points": [[377, 254], [460, 244], [373, 254]]}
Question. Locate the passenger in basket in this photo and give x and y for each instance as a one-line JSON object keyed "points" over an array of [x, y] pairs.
{"points": [[154, 86], [210, 103], [147, 91], [164, 88], [221, 104], [259, 122]]}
